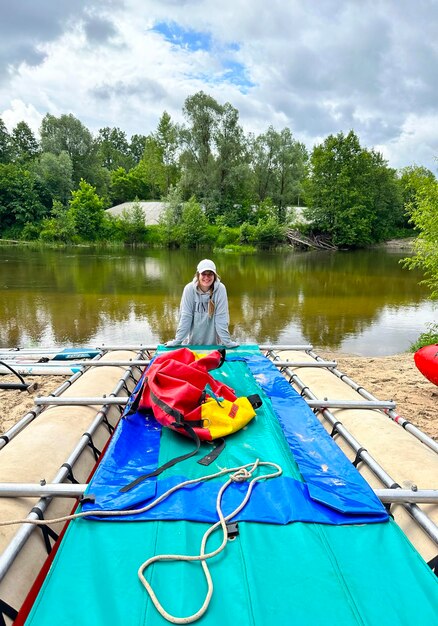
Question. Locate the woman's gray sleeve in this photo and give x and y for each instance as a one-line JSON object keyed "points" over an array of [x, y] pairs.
{"points": [[185, 314]]}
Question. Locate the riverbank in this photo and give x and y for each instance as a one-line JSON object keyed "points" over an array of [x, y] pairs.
{"points": [[387, 378]]}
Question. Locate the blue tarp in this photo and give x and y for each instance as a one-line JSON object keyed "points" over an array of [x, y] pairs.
{"points": [[332, 492]]}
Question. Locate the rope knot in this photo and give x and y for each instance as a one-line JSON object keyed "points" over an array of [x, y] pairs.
{"points": [[241, 475]]}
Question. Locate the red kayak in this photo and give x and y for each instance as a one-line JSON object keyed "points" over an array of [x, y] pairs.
{"points": [[426, 360]]}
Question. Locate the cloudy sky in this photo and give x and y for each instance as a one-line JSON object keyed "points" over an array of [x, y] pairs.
{"points": [[316, 66]]}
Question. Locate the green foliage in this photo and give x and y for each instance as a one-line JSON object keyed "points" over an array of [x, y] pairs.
{"points": [[24, 146], [171, 217], [194, 224], [167, 140], [68, 134], [5, 143], [278, 163], [113, 149], [19, 197], [411, 179], [247, 233], [424, 217], [351, 194], [132, 224], [268, 233], [60, 226], [427, 338], [87, 210], [55, 173]]}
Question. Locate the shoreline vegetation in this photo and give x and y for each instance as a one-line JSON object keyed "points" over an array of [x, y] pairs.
{"points": [[387, 378]]}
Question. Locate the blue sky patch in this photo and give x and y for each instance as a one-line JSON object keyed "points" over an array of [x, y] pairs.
{"points": [[188, 39], [233, 72]]}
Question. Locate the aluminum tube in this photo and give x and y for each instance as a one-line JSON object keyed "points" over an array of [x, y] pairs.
{"points": [[67, 490], [23, 533], [47, 400], [328, 364], [304, 348], [25, 490], [350, 404], [343, 404], [407, 495], [26, 419], [411, 428]]}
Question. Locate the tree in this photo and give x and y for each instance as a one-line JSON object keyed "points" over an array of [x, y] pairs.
{"points": [[424, 216], [87, 210], [411, 179], [171, 217], [151, 171], [166, 137], [113, 149], [351, 194], [68, 134], [24, 146], [137, 146], [19, 198], [194, 224], [55, 173], [5, 143], [60, 226], [232, 166], [202, 114], [132, 223], [278, 168]]}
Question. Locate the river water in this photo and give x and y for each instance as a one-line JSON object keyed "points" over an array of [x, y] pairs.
{"points": [[360, 302]]}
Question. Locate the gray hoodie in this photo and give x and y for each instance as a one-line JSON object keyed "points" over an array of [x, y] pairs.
{"points": [[195, 327]]}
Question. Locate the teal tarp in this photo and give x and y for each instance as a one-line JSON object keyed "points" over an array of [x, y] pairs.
{"points": [[269, 575]]}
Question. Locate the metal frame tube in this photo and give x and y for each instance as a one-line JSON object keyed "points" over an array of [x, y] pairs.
{"points": [[17, 542], [32, 414], [67, 490], [401, 421]]}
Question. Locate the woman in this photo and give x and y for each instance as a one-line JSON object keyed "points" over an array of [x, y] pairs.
{"points": [[204, 314]]}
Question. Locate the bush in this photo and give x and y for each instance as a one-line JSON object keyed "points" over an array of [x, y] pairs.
{"points": [[425, 339], [268, 233]]}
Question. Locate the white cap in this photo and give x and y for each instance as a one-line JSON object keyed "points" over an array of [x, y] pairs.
{"points": [[205, 266]]}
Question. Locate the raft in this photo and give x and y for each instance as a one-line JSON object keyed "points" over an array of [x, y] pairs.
{"points": [[315, 544]]}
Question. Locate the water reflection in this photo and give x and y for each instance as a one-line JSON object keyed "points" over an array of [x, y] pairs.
{"points": [[362, 302]]}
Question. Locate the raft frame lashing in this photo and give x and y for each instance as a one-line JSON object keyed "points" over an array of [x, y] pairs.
{"points": [[421, 518], [6, 610], [47, 532], [22, 535]]}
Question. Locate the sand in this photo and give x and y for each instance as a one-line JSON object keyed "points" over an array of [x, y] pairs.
{"points": [[387, 378]]}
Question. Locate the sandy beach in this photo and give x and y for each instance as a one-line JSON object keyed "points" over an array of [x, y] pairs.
{"points": [[387, 378]]}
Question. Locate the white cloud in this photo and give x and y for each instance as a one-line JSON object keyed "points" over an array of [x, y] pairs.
{"points": [[20, 111], [418, 139], [318, 68]]}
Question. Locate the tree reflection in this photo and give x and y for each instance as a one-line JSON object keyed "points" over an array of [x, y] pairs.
{"points": [[78, 296]]}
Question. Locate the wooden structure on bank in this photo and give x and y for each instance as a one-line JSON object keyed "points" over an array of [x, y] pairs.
{"points": [[299, 240]]}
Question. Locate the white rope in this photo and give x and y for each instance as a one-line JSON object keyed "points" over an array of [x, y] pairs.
{"points": [[125, 512], [240, 475], [237, 474]]}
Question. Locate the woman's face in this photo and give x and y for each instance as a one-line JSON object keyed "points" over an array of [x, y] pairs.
{"points": [[206, 279]]}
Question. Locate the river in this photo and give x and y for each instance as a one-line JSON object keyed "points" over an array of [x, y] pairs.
{"points": [[360, 302]]}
